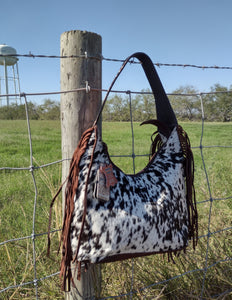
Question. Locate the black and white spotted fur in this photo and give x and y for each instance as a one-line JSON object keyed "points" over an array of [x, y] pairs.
{"points": [[147, 212]]}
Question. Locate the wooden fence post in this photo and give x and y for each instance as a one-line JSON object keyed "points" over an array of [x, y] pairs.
{"points": [[78, 111]]}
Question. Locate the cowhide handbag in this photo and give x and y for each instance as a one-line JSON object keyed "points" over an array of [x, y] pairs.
{"points": [[110, 215]]}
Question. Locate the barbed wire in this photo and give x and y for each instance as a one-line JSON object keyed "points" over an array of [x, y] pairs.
{"points": [[102, 58]]}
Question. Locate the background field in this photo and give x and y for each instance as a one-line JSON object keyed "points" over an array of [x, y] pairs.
{"points": [[17, 194]]}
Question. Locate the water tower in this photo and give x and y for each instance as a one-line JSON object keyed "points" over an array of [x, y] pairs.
{"points": [[9, 75]]}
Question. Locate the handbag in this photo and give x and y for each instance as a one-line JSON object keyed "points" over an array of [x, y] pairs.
{"points": [[110, 215]]}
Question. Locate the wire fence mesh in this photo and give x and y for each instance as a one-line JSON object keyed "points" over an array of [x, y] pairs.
{"points": [[28, 274]]}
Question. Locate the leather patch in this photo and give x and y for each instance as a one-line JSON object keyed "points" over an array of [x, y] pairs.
{"points": [[105, 179], [107, 170]]}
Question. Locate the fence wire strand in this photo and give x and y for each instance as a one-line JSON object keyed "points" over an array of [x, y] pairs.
{"points": [[35, 281], [210, 194], [132, 61], [31, 168]]}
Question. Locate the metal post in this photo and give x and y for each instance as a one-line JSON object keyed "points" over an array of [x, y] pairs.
{"points": [[78, 111], [17, 77], [6, 82]]}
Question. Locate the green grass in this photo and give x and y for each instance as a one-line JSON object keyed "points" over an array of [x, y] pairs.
{"points": [[17, 194]]}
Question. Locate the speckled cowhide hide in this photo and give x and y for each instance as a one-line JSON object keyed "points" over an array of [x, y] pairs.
{"points": [[145, 213]]}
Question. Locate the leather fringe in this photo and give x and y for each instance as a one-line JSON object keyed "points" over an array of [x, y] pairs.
{"points": [[189, 178], [189, 182], [71, 187]]}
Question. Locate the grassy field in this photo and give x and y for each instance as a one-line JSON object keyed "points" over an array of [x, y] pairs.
{"points": [[17, 194]]}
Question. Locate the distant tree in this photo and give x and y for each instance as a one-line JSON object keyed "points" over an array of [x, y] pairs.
{"points": [[145, 106], [218, 106], [186, 107], [107, 111], [49, 110], [116, 109], [17, 112], [32, 111]]}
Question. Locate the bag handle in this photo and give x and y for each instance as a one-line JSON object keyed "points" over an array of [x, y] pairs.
{"points": [[165, 113]]}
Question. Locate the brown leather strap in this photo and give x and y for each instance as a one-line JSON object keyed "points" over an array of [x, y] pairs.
{"points": [[165, 113]]}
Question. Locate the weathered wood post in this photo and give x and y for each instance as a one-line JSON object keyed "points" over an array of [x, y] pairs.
{"points": [[78, 111]]}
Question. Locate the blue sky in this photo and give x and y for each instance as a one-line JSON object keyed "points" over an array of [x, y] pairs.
{"points": [[181, 31]]}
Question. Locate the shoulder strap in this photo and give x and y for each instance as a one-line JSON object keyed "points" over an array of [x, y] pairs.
{"points": [[165, 113]]}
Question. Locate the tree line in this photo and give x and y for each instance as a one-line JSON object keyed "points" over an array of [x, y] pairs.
{"points": [[49, 110], [187, 106], [217, 106]]}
